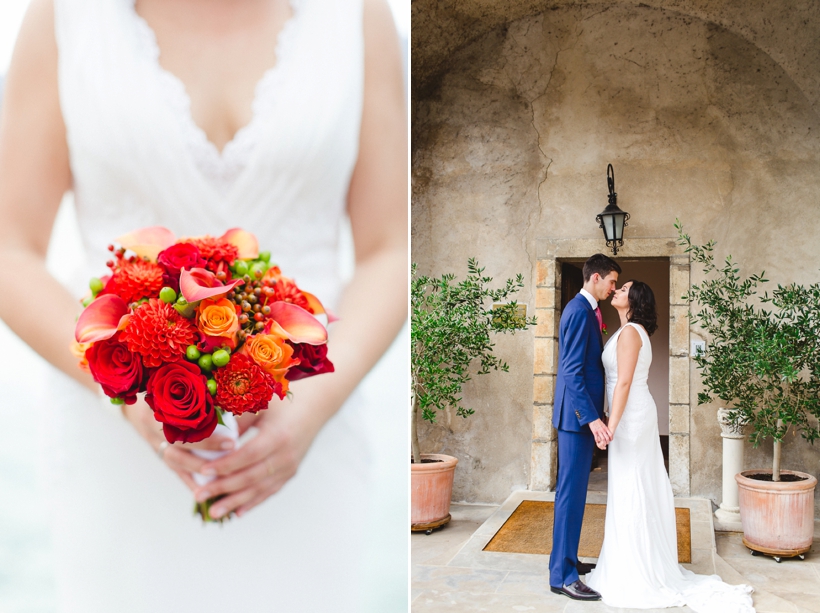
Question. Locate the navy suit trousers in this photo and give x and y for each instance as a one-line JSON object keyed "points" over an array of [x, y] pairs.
{"points": [[574, 463]]}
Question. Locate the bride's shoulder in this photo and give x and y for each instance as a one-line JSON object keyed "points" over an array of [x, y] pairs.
{"points": [[630, 335]]}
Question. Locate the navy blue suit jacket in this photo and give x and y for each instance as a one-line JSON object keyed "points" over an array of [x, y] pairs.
{"points": [[579, 386]]}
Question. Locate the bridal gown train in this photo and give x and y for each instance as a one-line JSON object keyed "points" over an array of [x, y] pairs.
{"points": [[638, 565], [124, 536]]}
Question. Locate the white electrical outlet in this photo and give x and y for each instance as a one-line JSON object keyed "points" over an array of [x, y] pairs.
{"points": [[697, 347]]}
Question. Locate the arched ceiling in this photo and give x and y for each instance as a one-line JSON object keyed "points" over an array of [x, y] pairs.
{"points": [[786, 30]]}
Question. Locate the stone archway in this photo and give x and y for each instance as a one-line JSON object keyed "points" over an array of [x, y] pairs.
{"points": [[549, 253]]}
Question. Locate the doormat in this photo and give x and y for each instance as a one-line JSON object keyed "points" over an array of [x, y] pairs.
{"points": [[529, 530]]}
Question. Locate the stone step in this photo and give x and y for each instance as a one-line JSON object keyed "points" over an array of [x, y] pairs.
{"points": [[764, 602]]}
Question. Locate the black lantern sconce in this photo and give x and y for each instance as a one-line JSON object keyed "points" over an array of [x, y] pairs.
{"points": [[612, 219]]}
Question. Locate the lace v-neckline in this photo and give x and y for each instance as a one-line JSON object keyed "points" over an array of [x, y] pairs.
{"points": [[223, 166]]}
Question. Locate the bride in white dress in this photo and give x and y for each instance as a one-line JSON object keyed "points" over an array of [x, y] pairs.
{"points": [[278, 117], [638, 565]]}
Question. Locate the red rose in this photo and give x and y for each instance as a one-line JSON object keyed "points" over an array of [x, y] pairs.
{"points": [[115, 368], [178, 394], [175, 258], [312, 361]]}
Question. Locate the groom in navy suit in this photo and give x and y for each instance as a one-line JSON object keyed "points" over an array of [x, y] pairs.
{"points": [[579, 418]]}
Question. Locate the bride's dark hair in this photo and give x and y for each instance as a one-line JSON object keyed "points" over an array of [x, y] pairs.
{"points": [[642, 306]]}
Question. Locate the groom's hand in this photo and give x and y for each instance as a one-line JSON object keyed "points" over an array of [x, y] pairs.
{"points": [[602, 434]]}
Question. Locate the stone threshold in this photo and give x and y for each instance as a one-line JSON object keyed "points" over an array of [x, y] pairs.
{"points": [[472, 555]]}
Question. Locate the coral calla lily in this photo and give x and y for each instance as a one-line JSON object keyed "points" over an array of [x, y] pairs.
{"points": [[244, 241], [295, 324], [148, 242], [318, 308], [101, 319], [198, 284]]}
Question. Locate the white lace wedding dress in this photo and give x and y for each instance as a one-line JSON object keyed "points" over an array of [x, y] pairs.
{"points": [[124, 534], [638, 565]]}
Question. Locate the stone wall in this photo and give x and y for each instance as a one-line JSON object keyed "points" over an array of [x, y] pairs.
{"points": [[510, 145]]}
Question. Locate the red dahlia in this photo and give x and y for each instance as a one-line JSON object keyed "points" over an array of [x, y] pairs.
{"points": [[286, 290], [218, 253], [158, 333], [133, 280], [242, 386]]}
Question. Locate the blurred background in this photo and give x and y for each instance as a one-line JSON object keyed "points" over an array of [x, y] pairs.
{"points": [[26, 565]]}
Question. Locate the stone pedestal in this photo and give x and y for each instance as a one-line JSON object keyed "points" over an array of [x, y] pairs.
{"points": [[727, 517]]}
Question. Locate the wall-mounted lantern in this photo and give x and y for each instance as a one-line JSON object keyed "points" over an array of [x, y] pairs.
{"points": [[612, 219]]}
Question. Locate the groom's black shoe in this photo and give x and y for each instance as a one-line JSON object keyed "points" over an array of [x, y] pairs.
{"points": [[583, 568], [577, 591]]}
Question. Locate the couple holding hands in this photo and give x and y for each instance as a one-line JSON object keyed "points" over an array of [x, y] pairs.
{"points": [[638, 564]]}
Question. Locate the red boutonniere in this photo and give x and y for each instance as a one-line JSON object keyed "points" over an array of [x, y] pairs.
{"points": [[603, 329]]}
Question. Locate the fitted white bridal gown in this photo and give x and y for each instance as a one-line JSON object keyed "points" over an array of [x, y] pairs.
{"points": [[124, 535], [638, 565]]}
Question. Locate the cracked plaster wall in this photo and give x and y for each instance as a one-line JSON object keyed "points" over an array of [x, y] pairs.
{"points": [[511, 142]]}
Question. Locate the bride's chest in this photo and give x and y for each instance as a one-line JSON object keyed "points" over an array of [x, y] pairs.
{"points": [[219, 54]]}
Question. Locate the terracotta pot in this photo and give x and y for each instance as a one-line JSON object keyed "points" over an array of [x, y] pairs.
{"points": [[777, 517], [432, 487]]}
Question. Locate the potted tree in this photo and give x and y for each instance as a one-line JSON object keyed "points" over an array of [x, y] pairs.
{"points": [[451, 329], [763, 361]]}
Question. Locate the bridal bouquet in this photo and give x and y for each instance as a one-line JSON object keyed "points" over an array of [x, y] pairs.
{"points": [[206, 327]]}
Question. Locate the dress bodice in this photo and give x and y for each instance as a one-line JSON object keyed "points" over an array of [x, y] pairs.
{"points": [[640, 413], [138, 159], [610, 360]]}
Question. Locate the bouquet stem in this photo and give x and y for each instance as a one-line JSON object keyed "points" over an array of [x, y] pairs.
{"points": [[230, 429]]}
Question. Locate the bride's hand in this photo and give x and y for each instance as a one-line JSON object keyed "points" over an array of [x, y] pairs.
{"points": [[264, 464], [178, 456]]}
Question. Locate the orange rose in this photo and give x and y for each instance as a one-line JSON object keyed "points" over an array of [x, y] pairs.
{"points": [[272, 353], [218, 318]]}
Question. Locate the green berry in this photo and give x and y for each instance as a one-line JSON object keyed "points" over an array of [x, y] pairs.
{"points": [[88, 300], [181, 300], [241, 268], [167, 295], [265, 256], [259, 269], [96, 285], [206, 362], [117, 401], [192, 353], [212, 387], [221, 357]]}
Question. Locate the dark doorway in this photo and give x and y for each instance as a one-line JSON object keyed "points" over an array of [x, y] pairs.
{"points": [[655, 272]]}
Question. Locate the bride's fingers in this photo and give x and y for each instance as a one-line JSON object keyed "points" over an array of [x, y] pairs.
{"points": [[251, 453], [178, 458], [237, 481], [186, 478], [229, 503], [260, 498], [252, 476], [246, 421], [213, 443]]}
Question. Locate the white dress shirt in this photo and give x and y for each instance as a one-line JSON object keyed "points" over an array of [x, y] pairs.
{"points": [[590, 298]]}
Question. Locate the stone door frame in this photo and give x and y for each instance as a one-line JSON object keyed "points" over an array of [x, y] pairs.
{"points": [[550, 252]]}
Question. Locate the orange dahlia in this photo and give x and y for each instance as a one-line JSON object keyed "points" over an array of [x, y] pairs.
{"points": [[243, 387], [158, 333], [219, 253], [134, 279]]}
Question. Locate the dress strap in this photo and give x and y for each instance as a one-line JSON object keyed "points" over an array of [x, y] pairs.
{"points": [[641, 331]]}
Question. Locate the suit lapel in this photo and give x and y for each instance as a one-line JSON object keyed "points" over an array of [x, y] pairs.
{"points": [[591, 312]]}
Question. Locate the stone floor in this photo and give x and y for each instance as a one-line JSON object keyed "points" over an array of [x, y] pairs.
{"points": [[450, 572]]}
